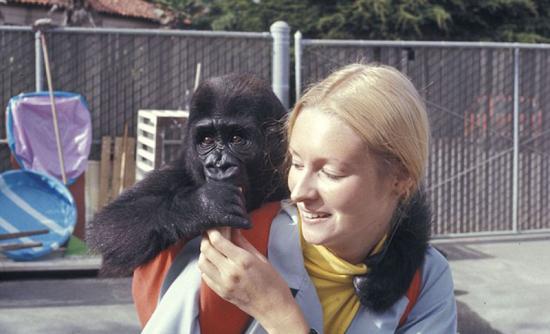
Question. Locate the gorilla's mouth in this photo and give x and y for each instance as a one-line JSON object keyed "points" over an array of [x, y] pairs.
{"points": [[233, 177], [232, 174], [229, 174]]}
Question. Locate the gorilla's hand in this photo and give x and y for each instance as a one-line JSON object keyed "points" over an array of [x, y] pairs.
{"points": [[216, 204], [158, 212]]}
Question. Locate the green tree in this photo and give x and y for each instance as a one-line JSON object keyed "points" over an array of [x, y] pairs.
{"points": [[496, 20], [188, 14]]}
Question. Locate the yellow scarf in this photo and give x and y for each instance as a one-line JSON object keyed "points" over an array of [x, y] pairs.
{"points": [[333, 279]]}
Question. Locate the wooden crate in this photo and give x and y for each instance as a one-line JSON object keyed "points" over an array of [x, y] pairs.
{"points": [[159, 136], [117, 167]]}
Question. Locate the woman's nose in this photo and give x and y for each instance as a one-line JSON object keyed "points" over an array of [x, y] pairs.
{"points": [[304, 189]]}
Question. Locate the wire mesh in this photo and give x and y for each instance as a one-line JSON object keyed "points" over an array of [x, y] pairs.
{"points": [[17, 71], [120, 74], [534, 152], [469, 97]]}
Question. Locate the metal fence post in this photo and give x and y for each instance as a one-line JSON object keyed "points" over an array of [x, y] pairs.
{"points": [[515, 168], [39, 77], [298, 63], [281, 60]]}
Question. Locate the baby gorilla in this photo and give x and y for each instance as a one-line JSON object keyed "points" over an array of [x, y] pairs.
{"points": [[230, 164]]}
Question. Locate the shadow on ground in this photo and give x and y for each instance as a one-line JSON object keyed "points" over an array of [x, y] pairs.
{"points": [[470, 322]]}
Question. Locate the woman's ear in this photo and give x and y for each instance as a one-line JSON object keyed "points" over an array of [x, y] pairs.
{"points": [[403, 185]]}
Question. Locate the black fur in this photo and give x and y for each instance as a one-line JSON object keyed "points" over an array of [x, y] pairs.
{"points": [[231, 163], [391, 271]]}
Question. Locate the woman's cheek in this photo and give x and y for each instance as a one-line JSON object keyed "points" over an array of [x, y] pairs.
{"points": [[340, 194]]}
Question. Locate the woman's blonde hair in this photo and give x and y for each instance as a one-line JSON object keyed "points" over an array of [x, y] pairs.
{"points": [[382, 106]]}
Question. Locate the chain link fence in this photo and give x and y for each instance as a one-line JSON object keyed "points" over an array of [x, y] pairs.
{"points": [[122, 71], [485, 175], [470, 96], [17, 73], [534, 140]]}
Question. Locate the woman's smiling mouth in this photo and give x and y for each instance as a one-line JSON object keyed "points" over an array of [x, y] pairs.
{"points": [[314, 216]]}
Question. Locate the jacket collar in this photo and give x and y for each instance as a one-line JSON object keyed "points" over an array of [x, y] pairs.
{"points": [[391, 270]]}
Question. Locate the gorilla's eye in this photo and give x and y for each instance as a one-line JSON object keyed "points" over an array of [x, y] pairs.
{"points": [[207, 140], [236, 139]]}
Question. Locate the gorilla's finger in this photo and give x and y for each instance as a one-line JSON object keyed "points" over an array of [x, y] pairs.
{"points": [[238, 222], [237, 210]]}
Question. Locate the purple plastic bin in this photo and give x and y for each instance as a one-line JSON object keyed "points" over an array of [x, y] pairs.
{"points": [[31, 135]]}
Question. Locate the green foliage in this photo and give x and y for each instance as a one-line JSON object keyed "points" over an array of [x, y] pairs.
{"points": [[496, 20]]}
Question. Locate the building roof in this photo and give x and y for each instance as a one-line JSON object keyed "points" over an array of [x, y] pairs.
{"points": [[130, 8]]}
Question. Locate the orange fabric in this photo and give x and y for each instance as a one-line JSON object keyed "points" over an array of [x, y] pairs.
{"points": [[212, 305], [412, 294], [148, 278], [147, 281]]}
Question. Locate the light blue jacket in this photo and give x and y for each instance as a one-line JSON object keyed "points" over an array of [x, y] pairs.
{"points": [[434, 311]]}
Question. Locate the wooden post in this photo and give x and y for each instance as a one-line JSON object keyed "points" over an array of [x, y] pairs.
{"points": [[117, 162], [130, 173], [104, 171]]}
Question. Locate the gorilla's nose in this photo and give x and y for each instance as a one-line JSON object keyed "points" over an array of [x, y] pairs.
{"points": [[222, 171]]}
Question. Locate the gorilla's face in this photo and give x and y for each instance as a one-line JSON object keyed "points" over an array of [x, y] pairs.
{"points": [[235, 134], [228, 148]]}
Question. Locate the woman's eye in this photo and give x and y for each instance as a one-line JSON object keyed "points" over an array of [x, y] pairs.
{"points": [[331, 175], [296, 165]]}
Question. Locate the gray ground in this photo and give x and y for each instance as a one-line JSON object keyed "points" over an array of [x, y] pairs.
{"points": [[501, 287], [504, 286], [86, 305]]}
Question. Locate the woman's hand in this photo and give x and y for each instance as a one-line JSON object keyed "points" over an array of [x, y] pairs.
{"points": [[240, 274]]}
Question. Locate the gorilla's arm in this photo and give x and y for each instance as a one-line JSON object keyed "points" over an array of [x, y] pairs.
{"points": [[157, 212]]}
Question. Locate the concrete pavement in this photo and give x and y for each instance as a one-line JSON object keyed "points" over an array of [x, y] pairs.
{"points": [[502, 286], [67, 306]]}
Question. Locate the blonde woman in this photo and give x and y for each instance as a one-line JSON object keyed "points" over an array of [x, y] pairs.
{"points": [[349, 252]]}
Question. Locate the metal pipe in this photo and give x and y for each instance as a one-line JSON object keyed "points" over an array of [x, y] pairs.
{"points": [[515, 168], [15, 28], [21, 234], [128, 31], [16, 246], [298, 63], [161, 32], [281, 61], [490, 235], [39, 69], [427, 44]]}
